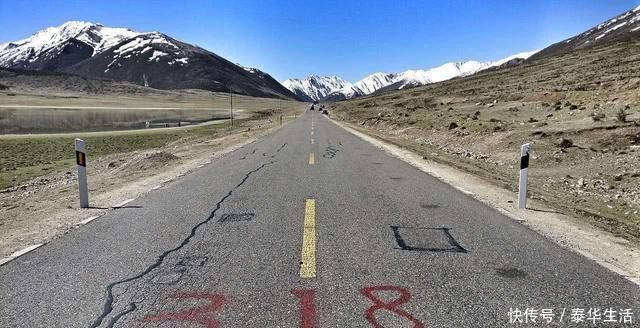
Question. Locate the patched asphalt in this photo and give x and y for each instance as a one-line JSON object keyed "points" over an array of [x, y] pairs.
{"points": [[221, 247]]}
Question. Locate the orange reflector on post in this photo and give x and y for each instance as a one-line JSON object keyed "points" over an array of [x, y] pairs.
{"points": [[81, 158]]}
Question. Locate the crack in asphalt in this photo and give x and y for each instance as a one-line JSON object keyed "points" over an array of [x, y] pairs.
{"points": [[132, 307], [108, 304], [278, 150]]}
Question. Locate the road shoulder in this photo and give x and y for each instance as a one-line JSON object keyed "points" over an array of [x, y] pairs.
{"points": [[614, 253]]}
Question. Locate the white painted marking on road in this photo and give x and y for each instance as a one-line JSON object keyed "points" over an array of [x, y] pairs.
{"points": [[89, 219], [507, 213], [19, 253], [610, 266], [123, 203], [155, 188], [465, 191], [25, 250]]}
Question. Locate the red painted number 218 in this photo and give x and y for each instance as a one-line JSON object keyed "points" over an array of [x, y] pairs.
{"points": [[204, 314]]}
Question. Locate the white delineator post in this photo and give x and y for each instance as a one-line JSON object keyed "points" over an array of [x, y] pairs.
{"points": [[524, 166], [81, 161]]}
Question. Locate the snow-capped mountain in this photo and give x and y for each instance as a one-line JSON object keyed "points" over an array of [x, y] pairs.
{"points": [[521, 55], [365, 86], [374, 82], [150, 59], [315, 87], [626, 25], [440, 73], [33, 52], [411, 78]]}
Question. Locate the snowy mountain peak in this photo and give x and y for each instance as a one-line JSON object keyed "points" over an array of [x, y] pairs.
{"points": [[151, 59], [315, 87], [372, 83], [411, 78], [98, 37], [617, 27]]}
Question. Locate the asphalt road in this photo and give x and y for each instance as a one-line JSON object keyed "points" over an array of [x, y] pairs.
{"points": [[309, 227]]}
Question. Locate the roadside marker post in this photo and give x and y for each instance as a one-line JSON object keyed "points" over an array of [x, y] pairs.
{"points": [[231, 105], [280, 119], [524, 167], [81, 161]]}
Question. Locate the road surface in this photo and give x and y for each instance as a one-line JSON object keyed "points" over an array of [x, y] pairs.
{"points": [[308, 227]]}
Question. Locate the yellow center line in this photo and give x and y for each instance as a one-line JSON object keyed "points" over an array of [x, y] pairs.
{"points": [[312, 158], [308, 259]]}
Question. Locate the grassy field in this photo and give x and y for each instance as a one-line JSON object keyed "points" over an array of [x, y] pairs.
{"points": [[23, 157], [580, 111]]}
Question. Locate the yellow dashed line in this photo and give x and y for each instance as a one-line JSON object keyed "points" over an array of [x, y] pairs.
{"points": [[308, 266], [312, 158]]}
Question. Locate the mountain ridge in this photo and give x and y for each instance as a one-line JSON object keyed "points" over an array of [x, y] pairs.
{"points": [[409, 78], [150, 59], [624, 25], [314, 87]]}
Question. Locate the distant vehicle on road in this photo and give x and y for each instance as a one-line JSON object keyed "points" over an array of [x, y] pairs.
{"points": [[312, 108]]}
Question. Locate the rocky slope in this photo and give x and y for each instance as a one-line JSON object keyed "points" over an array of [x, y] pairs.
{"points": [[624, 26]]}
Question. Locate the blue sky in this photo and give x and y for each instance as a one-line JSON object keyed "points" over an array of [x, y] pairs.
{"points": [[347, 38]]}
